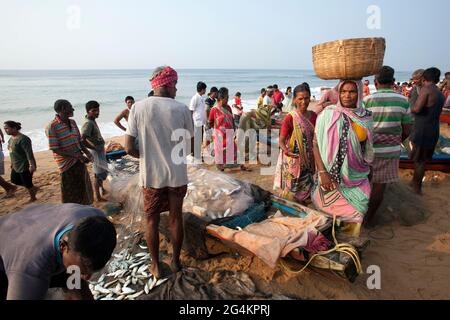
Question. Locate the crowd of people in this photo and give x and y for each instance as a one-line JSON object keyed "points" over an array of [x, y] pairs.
{"points": [[339, 156], [356, 144]]}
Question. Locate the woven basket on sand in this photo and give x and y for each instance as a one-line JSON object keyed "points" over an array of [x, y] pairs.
{"points": [[349, 59]]}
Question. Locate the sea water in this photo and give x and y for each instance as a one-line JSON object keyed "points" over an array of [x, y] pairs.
{"points": [[27, 96]]}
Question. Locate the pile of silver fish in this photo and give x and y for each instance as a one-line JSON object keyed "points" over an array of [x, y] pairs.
{"points": [[128, 277], [126, 165]]}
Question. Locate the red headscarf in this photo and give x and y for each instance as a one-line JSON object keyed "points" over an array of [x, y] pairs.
{"points": [[165, 77]]}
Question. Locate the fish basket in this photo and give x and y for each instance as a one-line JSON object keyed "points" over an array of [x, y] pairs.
{"points": [[349, 59]]}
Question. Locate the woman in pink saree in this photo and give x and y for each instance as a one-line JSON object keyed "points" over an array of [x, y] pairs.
{"points": [[221, 119]]}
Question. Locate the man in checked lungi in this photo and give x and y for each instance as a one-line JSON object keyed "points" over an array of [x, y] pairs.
{"points": [[392, 125]]}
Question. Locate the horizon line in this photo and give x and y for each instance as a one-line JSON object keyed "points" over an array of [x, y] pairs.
{"points": [[149, 69]]}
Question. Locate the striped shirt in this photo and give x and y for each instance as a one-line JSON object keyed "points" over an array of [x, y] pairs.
{"points": [[63, 138], [390, 111]]}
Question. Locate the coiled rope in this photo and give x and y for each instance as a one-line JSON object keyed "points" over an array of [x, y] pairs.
{"points": [[339, 247]]}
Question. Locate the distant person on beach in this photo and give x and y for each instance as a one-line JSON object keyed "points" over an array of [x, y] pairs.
{"points": [[296, 166], [198, 110], [70, 155], [425, 134], [343, 151], [417, 82], [9, 188], [260, 101], [287, 102], [397, 87], [221, 119], [93, 140], [124, 114], [268, 98], [248, 121], [211, 100], [163, 180], [445, 86], [42, 246], [23, 163], [209, 104], [366, 88], [277, 98], [406, 87], [391, 125], [329, 98], [237, 108]]}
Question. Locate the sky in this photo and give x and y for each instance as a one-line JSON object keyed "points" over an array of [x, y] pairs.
{"points": [[228, 34]]}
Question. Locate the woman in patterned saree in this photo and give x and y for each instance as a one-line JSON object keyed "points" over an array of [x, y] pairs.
{"points": [[343, 153], [221, 119], [295, 167]]}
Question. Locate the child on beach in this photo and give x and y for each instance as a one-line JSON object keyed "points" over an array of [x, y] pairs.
{"points": [[93, 140], [9, 188], [124, 114], [261, 98], [237, 108], [23, 163]]}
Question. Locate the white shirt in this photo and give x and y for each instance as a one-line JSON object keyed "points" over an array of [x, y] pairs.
{"points": [[267, 101], [153, 120], [197, 105]]}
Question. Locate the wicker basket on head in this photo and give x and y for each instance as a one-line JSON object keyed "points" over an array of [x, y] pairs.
{"points": [[349, 59]]}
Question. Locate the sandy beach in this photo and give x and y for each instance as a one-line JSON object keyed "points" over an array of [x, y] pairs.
{"points": [[411, 246]]}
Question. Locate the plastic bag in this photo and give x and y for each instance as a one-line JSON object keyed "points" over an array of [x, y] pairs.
{"points": [[214, 195]]}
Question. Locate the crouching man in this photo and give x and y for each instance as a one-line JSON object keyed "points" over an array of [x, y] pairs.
{"points": [[46, 246]]}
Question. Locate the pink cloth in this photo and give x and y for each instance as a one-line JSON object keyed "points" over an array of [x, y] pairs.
{"points": [[164, 78], [225, 150], [274, 237], [334, 203], [317, 242], [331, 96]]}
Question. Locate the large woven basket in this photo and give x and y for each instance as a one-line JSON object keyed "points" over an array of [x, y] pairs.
{"points": [[349, 59]]}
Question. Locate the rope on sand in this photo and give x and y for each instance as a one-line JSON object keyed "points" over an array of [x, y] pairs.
{"points": [[342, 248]]}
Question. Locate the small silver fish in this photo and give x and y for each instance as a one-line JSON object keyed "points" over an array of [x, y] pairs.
{"points": [[101, 289], [137, 294], [126, 290], [110, 283], [160, 282]]}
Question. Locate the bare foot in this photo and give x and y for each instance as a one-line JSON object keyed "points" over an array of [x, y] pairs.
{"points": [[10, 192], [176, 266], [415, 188], [154, 270], [101, 199]]}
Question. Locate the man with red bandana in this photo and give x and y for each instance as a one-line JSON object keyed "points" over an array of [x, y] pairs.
{"points": [[161, 124]]}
